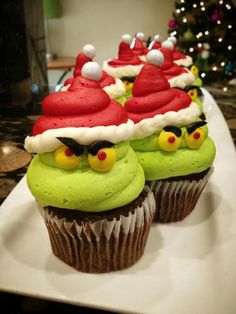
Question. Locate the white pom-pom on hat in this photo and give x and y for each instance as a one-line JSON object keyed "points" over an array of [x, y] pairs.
{"points": [[126, 38], [155, 57], [157, 38], [89, 51], [140, 36], [92, 71], [172, 39], [167, 44]]}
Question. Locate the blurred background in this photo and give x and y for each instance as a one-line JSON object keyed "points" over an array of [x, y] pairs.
{"points": [[39, 42]]}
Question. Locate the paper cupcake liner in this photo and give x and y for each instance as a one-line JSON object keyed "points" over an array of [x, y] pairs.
{"points": [[104, 245], [175, 200]]}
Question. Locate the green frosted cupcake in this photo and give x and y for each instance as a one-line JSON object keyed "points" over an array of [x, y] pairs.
{"points": [[170, 140], [126, 66], [87, 180]]}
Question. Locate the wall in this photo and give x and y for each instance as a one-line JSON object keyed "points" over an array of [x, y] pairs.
{"points": [[102, 23]]}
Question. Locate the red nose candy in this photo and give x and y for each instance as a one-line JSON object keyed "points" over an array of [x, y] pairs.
{"points": [[101, 155], [196, 135], [171, 139], [68, 152]]}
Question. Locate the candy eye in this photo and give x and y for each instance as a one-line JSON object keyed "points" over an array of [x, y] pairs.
{"points": [[192, 94], [128, 85], [169, 141], [104, 160], [195, 139], [194, 69], [65, 158]]}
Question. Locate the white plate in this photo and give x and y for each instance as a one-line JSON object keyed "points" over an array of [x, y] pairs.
{"points": [[188, 267]]}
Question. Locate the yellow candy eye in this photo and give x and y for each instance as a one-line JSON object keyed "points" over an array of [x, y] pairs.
{"points": [[103, 161], [169, 141], [194, 69], [65, 158], [192, 94], [195, 139], [128, 85]]}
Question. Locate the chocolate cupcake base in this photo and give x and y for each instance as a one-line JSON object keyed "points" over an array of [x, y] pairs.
{"points": [[101, 242], [176, 197]]}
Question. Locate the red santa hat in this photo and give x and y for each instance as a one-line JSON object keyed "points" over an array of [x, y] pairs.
{"points": [[138, 46], [87, 55], [155, 43], [125, 54], [151, 79]]}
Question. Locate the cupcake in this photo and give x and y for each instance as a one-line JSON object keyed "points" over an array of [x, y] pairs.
{"points": [[112, 86], [125, 67], [87, 180], [170, 140], [178, 57], [138, 47], [176, 75], [186, 61]]}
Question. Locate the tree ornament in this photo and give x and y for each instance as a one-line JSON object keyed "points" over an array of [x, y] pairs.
{"points": [[228, 67], [188, 35], [172, 24], [215, 16]]}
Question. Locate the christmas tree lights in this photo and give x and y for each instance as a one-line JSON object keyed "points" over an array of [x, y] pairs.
{"points": [[206, 31]]}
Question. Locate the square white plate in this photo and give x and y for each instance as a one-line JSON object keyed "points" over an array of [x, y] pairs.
{"points": [[188, 267]]}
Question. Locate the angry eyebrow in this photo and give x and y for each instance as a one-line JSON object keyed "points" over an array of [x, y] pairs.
{"points": [[193, 126], [171, 128], [76, 148], [94, 147]]}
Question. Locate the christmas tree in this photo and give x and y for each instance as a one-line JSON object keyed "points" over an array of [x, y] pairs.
{"points": [[206, 31]]}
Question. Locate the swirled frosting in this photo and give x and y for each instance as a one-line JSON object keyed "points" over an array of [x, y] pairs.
{"points": [[138, 47], [126, 63], [185, 62], [121, 71], [85, 112], [85, 189], [113, 87], [180, 76], [82, 115], [155, 104]]}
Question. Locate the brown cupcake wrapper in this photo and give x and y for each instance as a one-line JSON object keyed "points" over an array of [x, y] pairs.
{"points": [[175, 200], [104, 245]]}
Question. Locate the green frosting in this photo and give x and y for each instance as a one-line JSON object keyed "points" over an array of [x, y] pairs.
{"points": [[199, 103], [150, 143], [198, 81], [84, 188], [184, 161], [122, 99]]}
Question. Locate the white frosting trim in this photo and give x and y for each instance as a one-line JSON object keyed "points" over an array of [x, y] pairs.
{"points": [[115, 90], [148, 126], [118, 72], [142, 58], [184, 62], [48, 142], [182, 80], [64, 88]]}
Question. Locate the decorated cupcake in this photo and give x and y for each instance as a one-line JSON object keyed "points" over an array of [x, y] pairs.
{"points": [[186, 61], [87, 179], [176, 75], [170, 140], [138, 47], [112, 86], [126, 66], [178, 57]]}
